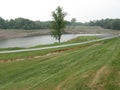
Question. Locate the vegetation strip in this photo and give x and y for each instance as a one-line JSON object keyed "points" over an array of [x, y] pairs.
{"points": [[49, 54]]}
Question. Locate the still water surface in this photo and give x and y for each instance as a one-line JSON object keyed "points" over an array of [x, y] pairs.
{"points": [[37, 40]]}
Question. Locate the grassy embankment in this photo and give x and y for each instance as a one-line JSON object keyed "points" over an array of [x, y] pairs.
{"points": [[90, 67]]}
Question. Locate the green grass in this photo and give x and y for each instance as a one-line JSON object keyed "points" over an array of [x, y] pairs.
{"points": [[11, 48], [28, 54], [95, 67]]}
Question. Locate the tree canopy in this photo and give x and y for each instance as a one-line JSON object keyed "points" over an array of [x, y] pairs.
{"points": [[58, 23], [22, 23], [106, 23]]}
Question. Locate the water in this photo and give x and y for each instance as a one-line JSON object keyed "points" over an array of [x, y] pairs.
{"points": [[37, 40]]}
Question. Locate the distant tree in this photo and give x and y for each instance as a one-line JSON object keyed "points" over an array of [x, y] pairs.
{"points": [[58, 23], [107, 23], [22, 23], [10, 24], [73, 20], [2, 23]]}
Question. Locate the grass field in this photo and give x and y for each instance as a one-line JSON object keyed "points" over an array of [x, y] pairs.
{"points": [[88, 67]]}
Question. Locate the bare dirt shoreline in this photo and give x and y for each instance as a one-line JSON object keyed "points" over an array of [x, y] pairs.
{"points": [[7, 34]]}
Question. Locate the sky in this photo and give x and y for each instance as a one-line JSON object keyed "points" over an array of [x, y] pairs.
{"points": [[82, 10]]}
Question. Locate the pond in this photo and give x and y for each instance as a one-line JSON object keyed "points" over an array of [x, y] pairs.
{"points": [[38, 40]]}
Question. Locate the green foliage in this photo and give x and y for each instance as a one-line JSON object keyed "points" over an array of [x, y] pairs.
{"points": [[107, 23], [73, 20], [2, 23], [21, 23], [69, 23], [58, 23]]}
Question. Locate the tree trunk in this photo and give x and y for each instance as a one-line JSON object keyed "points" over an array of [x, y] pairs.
{"points": [[59, 41]]}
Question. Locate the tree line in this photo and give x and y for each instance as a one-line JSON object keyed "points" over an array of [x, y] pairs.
{"points": [[22, 23], [26, 24], [106, 23]]}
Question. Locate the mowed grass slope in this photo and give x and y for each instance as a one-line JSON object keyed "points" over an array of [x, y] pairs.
{"points": [[95, 67]]}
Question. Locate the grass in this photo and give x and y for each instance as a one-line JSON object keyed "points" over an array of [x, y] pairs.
{"points": [[30, 54], [11, 48], [93, 67]]}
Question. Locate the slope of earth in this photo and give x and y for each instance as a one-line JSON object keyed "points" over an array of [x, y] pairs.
{"points": [[96, 67]]}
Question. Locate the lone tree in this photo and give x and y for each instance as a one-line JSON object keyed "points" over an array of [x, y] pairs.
{"points": [[58, 23], [73, 20]]}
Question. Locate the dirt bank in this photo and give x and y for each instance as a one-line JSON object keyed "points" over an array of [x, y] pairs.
{"points": [[90, 30], [7, 34]]}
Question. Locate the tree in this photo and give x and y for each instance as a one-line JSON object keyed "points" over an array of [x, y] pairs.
{"points": [[73, 20], [107, 23], [58, 23], [2, 23]]}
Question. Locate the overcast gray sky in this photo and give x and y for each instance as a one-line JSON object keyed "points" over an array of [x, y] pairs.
{"points": [[82, 10]]}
